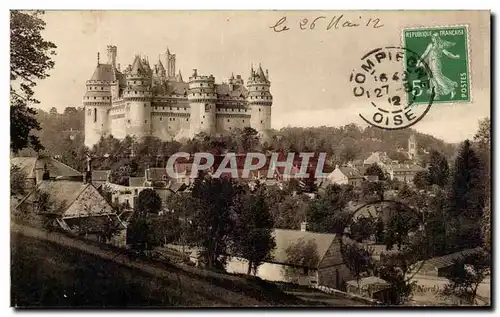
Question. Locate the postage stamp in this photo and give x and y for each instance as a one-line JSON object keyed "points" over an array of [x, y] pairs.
{"points": [[445, 49]]}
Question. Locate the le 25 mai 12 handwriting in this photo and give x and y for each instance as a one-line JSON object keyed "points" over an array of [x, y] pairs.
{"points": [[327, 23]]}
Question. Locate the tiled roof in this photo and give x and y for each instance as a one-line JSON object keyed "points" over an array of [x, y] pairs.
{"points": [[445, 260], [94, 224], [56, 168], [369, 281], [103, 72], [406, 168], [156, 174], [287, 238], [100, 175], [350, 172], [137, 67], [136, 181], [223, 91]]}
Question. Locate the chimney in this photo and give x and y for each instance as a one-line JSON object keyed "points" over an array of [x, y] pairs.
{"points": [[303, 226], [88, 172]]}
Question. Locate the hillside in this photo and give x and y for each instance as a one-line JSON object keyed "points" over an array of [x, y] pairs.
{"points": [[53, 270]]}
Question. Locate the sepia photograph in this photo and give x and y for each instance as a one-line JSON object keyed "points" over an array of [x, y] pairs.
{"points": [[266, 158]]}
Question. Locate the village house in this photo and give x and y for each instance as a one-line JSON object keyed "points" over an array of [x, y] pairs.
{"points": [[100, 177], [430, 277], [371, 287], [404, 172], [345, 175], [330, 270], [34, 168], [76, 207]]}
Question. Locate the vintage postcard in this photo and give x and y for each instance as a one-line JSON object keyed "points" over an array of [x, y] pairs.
{"points": [[250, 159]]}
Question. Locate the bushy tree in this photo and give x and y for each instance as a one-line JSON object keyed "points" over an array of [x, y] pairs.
{"points": [[357, 258], [30, 60], [421, 180], [438, 172], [252, 234], [148, 202], [17, 181], [467, 199], [375, 170], [467, 272], [300, 255]]}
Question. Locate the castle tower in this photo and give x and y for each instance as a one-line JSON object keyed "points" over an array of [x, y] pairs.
{"points": [[202, 100], [112, 51], [97, 102], [170, 64], [260, 101], [137, 98], [412, 147]]}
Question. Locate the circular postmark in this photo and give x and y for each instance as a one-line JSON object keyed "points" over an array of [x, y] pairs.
{"points": [[387, 83]]}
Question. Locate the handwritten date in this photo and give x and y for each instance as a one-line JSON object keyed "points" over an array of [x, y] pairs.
{"points": [[336, 22]]}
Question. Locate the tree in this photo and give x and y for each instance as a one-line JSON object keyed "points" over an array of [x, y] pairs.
{"points": [[467, 272], [30, 60], [148, 202], [357, 259], [17, 181], [375, 170], [467, 199], [372, 191], [252, 234], [212, 201], [363, 228], [421, 180], [438, 172], [290, 212], [300, 255]]}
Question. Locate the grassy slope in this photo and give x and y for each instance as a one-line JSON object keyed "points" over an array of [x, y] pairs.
{"points": [[46, 274]]}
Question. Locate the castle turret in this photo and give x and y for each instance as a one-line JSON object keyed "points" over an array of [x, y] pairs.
{"points": [[260, 101], [97, 102], [170, 64], [202, 100], [412, 147], [137, 98], [112, 51]]}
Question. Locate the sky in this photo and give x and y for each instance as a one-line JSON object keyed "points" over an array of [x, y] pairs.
{"points": [[309, 69]]}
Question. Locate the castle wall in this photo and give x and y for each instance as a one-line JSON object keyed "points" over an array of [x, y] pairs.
{"points": [[230, 121]]}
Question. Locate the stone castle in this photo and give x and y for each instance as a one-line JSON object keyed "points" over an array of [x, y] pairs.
{"points": [[142, 100]]}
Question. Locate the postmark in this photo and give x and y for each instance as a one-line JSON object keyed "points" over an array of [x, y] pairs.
{"points": [[381, 89], [445, 50]]}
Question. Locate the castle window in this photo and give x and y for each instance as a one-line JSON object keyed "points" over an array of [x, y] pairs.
{"points": [[95, 115], [134, 81], [145, 121], [95, 98], [173, 119], [145, 105], [169, 108], [177, 108], [261, 121], [203, 117], [187, 119], [202, 122], [102, 88], [161, 119], [128, 121], [227, 120], [243, 120], [259, 109], [162, 108], [184, 108]]}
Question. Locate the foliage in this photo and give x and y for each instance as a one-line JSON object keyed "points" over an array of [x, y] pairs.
{"points": [[139, 234], [212, 201], [375, 170], [467, 199], [300, 255], [148, 202], [357, 258], [252, 235], [371, 191], [363, 228], [17, 181], [329, 213], [30, 60], [421, 180], [438, 172], [402, 221], [467, 272], [290, 212]]}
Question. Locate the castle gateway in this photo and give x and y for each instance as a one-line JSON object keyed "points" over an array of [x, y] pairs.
{"points": [[142, 100]]}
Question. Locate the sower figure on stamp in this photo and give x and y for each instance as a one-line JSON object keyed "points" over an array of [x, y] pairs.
{"points": [[434, 54]]}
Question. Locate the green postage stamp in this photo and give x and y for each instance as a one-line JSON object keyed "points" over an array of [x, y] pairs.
{"points": [[445, 53]]}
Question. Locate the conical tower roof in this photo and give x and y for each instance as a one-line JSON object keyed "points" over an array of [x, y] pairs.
{"points": [[137, 67]]}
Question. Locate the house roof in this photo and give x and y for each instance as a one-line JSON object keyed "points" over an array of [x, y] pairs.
{"points": [[136, 181], [94, 224], [156, 174], [436, 263], [223, 91], [378, 157], [102, 175], [29, 165], [369, 281], [406, 168], [350, 172], [286, 238]]}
